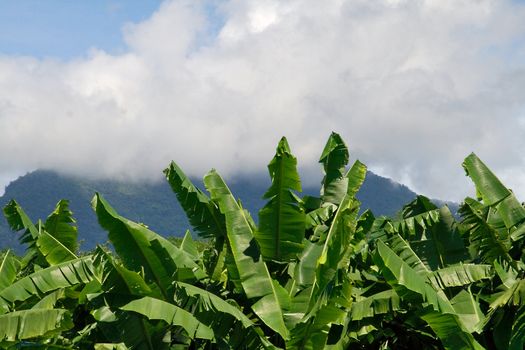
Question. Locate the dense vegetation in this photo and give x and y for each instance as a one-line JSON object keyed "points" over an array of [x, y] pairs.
{"points": [[313, 273], [153, 203]]}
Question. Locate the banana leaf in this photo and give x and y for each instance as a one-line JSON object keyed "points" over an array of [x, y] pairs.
{"points": [[376, 304], [493, 192], [305, 270], [407, 282], [9, 268], [49, 301], [213, 305], [486, 241], [214, 312], [53, 250], [460, 275], [334, 160], [329, 313], [122, 286], [142, 249], [442, 245], [33, 323], [281, 220], [404, 250], [18, 221], [442, 317], [468, 311], [119, 280], [67, 274], [61, 225], [320, 215], [413, 227], [156, 309], [202, 213], [451, 332], [342, 228], [188, 245], [111, 346], [419, 205], [512, 296], [253, 272]]}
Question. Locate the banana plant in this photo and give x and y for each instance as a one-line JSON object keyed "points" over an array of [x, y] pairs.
{"points": [[493, 224], [285, 269], [314, 272]]}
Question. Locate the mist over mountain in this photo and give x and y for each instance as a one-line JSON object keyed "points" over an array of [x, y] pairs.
{"points": [[154, 204]]}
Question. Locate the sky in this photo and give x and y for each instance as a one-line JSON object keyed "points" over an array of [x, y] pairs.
{"points": [[117, 89]]}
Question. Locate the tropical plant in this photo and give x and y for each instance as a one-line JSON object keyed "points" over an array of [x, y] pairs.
{"points": [[311, 273]]}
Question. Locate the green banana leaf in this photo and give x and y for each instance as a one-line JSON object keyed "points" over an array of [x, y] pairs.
{"points": [[281, 220], [156, 309], [441, 245], [506, 273], [413, 227], [407, 282], [376, 304], [356, 177], [468, 311], [330, 312], [202, 213], [213, 305], [9, 268], [33, 323], [61, 225], [305, 270], [404, 250], [49, 301], [189, 246], [52, 249], [111, 346], [442, 317], [337, 242], [214, 312], [512, 296], [67, 274], [493, 192], [142, 249], [121, 286], [334, 160], [451, 332], [507, 313], [298, 307], [343, 226], [18, 221], [118, 279], [132, 328], [320, 215], [460, 275], [419, 205], [253, 272], [486, 241]]}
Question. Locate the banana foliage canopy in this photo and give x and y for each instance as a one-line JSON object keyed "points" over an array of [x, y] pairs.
{"points": [[310, 273]]}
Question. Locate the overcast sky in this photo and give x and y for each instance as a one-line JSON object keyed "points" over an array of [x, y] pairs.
{"points": [[118, 89]]}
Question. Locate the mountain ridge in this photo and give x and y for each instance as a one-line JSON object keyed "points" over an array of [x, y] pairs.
{"points": [[154, 204]]}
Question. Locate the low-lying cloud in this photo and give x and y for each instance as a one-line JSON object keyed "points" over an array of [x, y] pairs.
{"points": [[413, 86]]}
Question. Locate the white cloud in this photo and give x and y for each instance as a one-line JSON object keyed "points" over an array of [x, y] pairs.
{"points": [[413, 86]]}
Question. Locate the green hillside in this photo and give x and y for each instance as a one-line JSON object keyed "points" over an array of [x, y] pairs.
{"points": [[154, 204]]}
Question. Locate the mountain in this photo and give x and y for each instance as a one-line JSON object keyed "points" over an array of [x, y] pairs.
{"points": [[154, 204]]}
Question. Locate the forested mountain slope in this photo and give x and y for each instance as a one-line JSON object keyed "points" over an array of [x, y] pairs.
{"points": [[154, 204]]}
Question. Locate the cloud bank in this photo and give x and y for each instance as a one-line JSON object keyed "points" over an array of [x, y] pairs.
{"points": [[412, 86]]}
